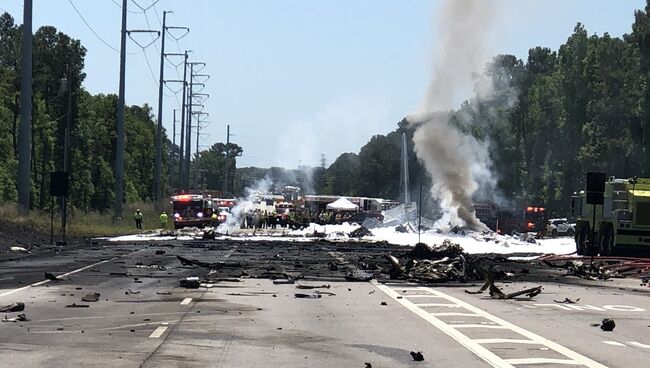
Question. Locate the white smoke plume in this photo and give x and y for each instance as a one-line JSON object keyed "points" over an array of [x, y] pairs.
{"points": [[245, 204], [455, 161]]}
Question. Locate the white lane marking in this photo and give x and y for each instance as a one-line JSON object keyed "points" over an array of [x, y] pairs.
{"points": [[158, 332], [469, 325], [476, 348], [186, 301], [540, 361], [447, 305], [64, 275], [483, 353], [613, 343], [639, 345], [455, 314], [420, 296], [505, 341]]}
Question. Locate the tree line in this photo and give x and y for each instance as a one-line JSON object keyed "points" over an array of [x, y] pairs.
{"points": [[58, 75]]}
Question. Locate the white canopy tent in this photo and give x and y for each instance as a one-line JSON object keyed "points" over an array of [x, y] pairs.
{"points": [[342, 204]]}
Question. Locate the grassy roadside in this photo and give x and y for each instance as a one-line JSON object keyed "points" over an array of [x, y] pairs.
{"points": [[90, 224]]}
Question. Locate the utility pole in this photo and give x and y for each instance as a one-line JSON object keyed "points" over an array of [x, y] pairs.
{"points": [[188, 135], [171, 162], [226, 186], [119, 145], [182, 137], [158, 165], [25, 130]]}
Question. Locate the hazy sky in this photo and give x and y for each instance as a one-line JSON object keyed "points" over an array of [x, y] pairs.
{"points": [[301, 78]]}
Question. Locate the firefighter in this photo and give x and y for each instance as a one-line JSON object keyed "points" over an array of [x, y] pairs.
{"points": [[137, 216], [163, 220]]}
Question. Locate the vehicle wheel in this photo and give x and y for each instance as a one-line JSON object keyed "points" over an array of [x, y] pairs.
{"points": [[554, 233], [580, 238], [606, 242], [571, 231]]}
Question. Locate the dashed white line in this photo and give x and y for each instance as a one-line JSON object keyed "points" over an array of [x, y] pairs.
{"points": [[469, 325], [453, 314], [505, 341], [158, 332], [446, 305], [540, 361], [639, 345], [186, 301], [613, 343]]}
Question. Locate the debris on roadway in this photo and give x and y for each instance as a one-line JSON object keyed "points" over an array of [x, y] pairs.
{"points": [[14, 307]]}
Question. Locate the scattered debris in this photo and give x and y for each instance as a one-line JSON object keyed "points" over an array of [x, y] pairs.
{"points": [[51, 277], [324, 293], [608, 324], [209, 235], [132, 292], [418, 357], [368, 365], [75, 305], [384, 303], [190, 282], [359, 276], [496, 293], [91, 297], [567, 301], [19, 249], [164, 292], [191, 262], [19, 318], [160, 252], [14, 307], [312, 286], [283, 282], [307, 296], [360, 232], [446, 249], [397, 269]]}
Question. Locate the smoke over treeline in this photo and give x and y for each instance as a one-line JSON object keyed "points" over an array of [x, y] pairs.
{"points": [[452, 158], [541, 123]]}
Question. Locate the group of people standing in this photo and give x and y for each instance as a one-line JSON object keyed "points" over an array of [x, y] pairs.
{"points": [[294, 219]]}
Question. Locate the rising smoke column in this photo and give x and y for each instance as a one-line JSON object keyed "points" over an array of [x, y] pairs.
{"points": [[449, 156]]}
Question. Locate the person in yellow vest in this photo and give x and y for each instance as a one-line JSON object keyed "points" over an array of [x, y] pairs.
{"points": [[137, 216], [163, 220]]}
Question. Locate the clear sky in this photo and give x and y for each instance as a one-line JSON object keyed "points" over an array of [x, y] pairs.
{"points": [[299, 78]]}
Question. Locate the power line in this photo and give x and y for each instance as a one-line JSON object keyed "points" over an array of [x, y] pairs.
{"points": [[128, 11], [91, 28]]}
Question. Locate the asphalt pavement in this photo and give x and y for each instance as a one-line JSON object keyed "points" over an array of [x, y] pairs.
{"points": [[240, 318]]}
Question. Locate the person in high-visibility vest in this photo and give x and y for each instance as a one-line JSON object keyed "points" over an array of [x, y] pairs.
{"points": [[137, 216], [163, 220]]}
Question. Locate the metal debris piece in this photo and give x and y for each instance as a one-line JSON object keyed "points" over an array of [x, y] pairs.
{"points": [[496, 293], [131, 292], [368, 365], [418, 357], [324, 286], [306, 296], [608, 324], [90, 297], [324, 293], [160, 252], [190, 282], [191, 262], [164, 292], [19, 318], [283, 282], [360, 232], [75, 305], [567, 301], [359, 276], [51, 277], [13, 307]]}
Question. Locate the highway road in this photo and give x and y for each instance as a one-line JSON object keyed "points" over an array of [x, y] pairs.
{"points": [[240, 318]]}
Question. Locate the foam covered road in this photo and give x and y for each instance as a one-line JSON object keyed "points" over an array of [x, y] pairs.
{"points": [[240, 318]]}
